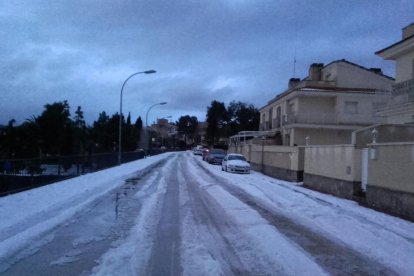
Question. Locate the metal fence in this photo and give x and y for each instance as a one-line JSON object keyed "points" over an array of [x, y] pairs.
{"points": [[22, 174]]}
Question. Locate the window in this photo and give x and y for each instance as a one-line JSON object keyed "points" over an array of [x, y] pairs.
{"points": [[351, 108], [412, 72], [270, 117]]}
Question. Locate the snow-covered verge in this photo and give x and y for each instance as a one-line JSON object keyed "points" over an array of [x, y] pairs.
{"points": [[27, 215], [387, 239]]}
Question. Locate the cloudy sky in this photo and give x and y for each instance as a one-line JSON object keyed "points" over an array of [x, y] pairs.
{"points": [[83, 50]]}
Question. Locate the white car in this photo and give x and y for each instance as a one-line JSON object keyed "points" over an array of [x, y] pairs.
{"points": [[198, 150], [234, 162]]}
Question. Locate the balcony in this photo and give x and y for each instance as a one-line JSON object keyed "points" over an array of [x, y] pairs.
{"points": [[264, 126], [288, 119], [276, 123], [403, 92]]}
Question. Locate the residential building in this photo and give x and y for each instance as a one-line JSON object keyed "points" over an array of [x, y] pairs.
{"points": [[164, 133], [400, 108], [328, 105]]}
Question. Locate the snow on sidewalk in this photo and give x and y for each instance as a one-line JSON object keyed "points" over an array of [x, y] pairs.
{"points": [[386, 239], [27, 215]]}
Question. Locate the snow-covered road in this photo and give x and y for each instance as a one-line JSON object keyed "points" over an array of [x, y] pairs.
{"points": [[174, 214]]}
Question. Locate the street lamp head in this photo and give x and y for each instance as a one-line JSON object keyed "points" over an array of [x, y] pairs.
{"points": [[163, 103], [150, 72]]}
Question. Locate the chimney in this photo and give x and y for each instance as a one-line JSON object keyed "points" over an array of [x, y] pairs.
{"points": [[376, 70], [408, 31], [315, 72], [293, 82]]}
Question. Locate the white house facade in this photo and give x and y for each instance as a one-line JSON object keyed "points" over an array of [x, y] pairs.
{"points": [[400, 108], [328, 105]]}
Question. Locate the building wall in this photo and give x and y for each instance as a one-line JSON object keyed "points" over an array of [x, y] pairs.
{"points": [[405, 64], [316, 110], [244, 149], [333, 169], [354, 77], [332, 110], [366, 105], [391, 179], [319, 136], [393, 166], [281, 162], [334, 161], [265, 119]]}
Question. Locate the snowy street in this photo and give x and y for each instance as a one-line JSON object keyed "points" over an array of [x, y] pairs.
{"points": [[174, 214]]}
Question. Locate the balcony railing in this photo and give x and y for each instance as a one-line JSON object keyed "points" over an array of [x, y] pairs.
{"points": [[403, 92], [320, 119], [288, 119]]}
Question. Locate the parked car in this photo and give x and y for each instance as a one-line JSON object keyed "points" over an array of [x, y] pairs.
{"points": [[214, 156], [198, 150], [234, 162]]}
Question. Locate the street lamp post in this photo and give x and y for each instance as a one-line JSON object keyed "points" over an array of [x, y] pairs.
{"points": [[146, 123], [146, 117], [120, 113]]}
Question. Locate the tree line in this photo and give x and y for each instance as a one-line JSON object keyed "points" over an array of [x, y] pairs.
{"points": [[56, 133], [223, 122]]}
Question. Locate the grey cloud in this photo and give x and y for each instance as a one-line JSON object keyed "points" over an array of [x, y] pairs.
{"points": [[82, 51]]}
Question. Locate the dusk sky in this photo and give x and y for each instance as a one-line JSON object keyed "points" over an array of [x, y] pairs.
{"points": [[243, 50]]}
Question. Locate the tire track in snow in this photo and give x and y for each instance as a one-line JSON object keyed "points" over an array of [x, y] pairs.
{"points": [[227, 241], [208, 218], [334, 257], [165, 257]]}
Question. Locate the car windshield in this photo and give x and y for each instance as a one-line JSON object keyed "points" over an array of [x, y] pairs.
{"points": [[218, 151], [237, 157]]}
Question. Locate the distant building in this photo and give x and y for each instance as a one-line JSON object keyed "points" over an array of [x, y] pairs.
{"points": [[328, 105], [400, 108], [164, 133]]}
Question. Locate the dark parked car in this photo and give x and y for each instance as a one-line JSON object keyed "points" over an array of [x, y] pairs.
{"points": [[214, 156]]}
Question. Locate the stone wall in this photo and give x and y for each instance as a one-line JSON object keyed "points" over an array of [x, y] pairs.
{"points": [[391, 166]]}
